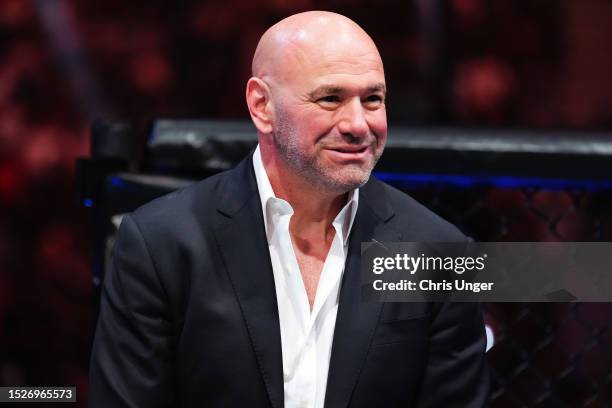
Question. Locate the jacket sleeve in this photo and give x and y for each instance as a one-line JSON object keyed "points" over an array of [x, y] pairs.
{"points": [[133, 352], [456, 373]]}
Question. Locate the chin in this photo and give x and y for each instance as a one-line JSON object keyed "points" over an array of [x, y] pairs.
{"points": [[339, 179], [345, 184]]}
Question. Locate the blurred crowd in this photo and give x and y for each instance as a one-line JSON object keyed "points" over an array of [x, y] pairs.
{"points": [[64, 63]]}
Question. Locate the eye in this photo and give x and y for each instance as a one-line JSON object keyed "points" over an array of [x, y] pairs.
{"points": [[329, 102], [329, 99], [373, 101]]}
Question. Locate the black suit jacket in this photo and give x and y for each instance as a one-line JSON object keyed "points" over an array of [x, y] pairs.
{"points": [[189, 318]]}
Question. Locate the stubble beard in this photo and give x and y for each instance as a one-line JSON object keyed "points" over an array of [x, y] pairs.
{"points": [[307, 167]]}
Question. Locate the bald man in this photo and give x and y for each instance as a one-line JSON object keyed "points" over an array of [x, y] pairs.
{"points": [[244, 289]]}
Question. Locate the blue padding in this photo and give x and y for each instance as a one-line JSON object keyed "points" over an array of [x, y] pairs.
{"points": [[423, 179]]}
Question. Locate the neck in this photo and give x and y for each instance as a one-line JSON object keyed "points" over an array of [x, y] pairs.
{"points": [[313, 207]]}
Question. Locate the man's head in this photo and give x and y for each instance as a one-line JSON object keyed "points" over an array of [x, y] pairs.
{"points": [[317, 98]]}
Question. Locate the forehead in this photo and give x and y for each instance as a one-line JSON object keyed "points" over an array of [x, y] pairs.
{"points": [[332, 63]]}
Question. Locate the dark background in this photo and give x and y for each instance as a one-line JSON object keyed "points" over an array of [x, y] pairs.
{"points": [[502, 63]]}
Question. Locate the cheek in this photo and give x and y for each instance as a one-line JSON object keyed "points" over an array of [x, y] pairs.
{"points": [[378, 125], [315, 127]]}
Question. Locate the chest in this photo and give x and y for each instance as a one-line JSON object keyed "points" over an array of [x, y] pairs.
{"points": [[311, 258]]}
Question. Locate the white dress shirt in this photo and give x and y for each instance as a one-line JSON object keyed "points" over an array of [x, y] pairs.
{"points": [[306, 336]]}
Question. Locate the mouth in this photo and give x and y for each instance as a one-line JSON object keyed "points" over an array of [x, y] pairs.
{"points": [[349, 153], [350, 149]]}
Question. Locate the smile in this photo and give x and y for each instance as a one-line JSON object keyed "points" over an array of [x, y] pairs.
{"points": [[350, 149], [349, 153]]}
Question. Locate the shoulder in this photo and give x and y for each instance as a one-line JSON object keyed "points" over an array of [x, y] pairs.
{"points": [[179, 213], [413, 220], [181, 200], [227, 191]]}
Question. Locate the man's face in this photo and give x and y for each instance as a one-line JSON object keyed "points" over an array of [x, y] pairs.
{"points": [[330, 123]]}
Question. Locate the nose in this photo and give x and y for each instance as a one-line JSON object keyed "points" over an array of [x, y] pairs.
{"points": [[352, 123]]}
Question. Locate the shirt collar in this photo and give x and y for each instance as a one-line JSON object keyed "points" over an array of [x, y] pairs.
{"points": [[271, 205]]}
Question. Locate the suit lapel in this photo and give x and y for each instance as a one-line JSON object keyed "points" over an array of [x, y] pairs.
{"points": [[357, 320], [242, 242]]}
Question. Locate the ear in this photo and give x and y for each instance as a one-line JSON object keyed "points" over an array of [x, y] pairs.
{"points": [[259, 103]]}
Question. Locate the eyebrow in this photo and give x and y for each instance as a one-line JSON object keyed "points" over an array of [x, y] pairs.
{"points": [[380, 87], [334, 90]]}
